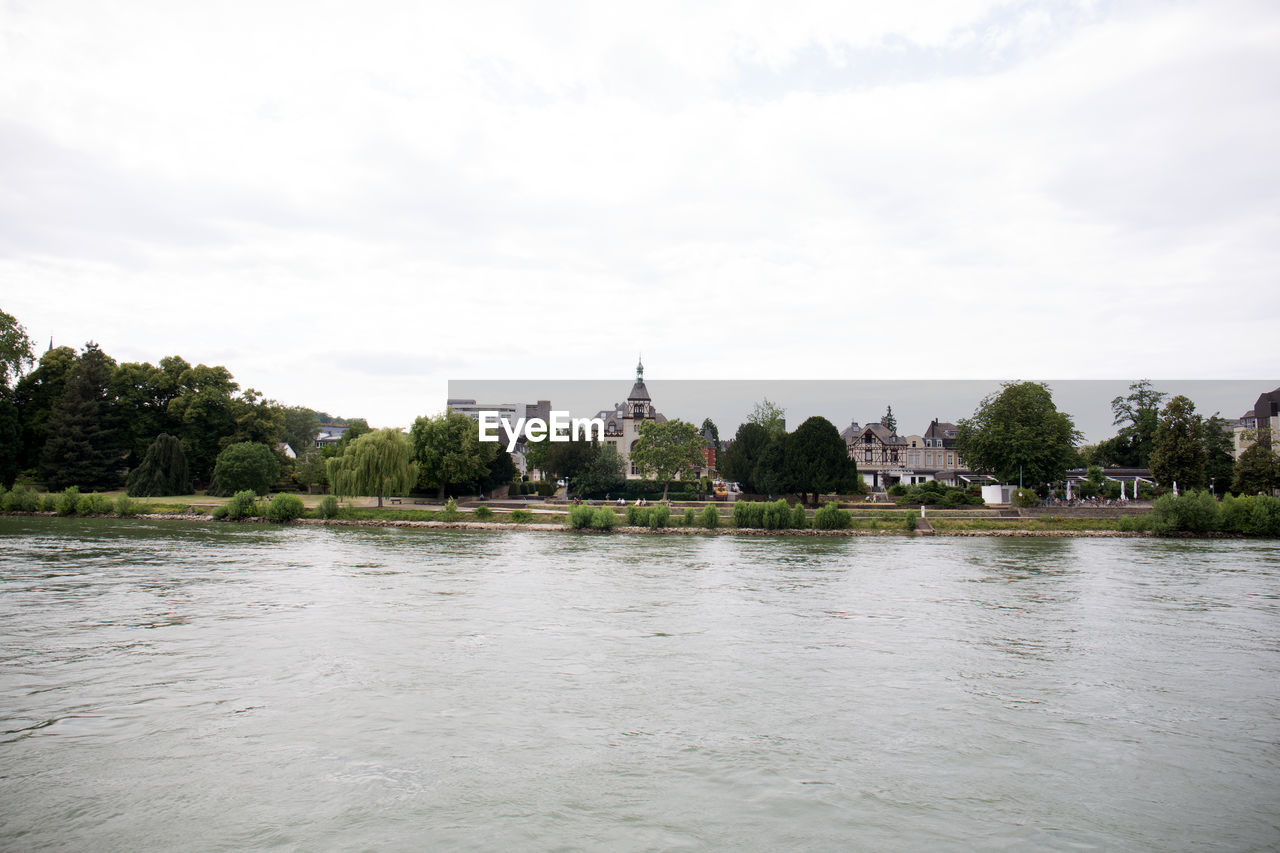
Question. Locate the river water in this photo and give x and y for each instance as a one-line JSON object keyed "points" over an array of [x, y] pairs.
{"points": [[228, 687]]}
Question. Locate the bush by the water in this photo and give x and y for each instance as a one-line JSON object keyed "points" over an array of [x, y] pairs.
{"points": [[604, 518], [690, 517], [450, 511], [125, 506], [521, 516], [483, 513], [243, 504], [766, 515], [1025, 497], [831, 517], [1134, 523], [21, 499], [328, 507], [709, 518], [799, 520], [580, 516], [1199, 512], [67, 501], [94, 504], [658, 516], [284, 508], [932, 492]]}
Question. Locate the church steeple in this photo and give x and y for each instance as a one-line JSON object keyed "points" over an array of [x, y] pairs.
{"points": [[640, 369]]}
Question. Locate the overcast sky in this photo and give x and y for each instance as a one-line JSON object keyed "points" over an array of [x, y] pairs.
{"points": [[350, 204]]}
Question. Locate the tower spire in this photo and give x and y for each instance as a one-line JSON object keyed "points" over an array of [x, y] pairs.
{"points": [[640, 369]]}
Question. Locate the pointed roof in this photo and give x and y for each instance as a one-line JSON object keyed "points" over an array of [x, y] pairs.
{"points": [[638, 391]]}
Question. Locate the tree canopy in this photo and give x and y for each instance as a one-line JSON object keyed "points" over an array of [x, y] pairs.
{"points": [[769, 415], [1177, 452], [1137, 415], [1018, 433], [448, 451], [742, 457], [817, 460], [245, 465], [1257, 470], [664, 450], [163, 470], [376, 463], [83, 448], [15, 349]]}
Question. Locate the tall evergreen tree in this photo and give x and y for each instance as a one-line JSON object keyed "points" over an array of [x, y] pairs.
{"points": [[1219, 464], [83, 448], [1177, 452], [890, 422], [817, 459], [36, 396]]}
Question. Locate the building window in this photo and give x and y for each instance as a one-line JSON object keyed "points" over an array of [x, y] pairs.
{"points": [[867, 456]]}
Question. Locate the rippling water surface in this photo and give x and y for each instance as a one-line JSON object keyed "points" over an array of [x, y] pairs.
{"points": [[220, 687]]}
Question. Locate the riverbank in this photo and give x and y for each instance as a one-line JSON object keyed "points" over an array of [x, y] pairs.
{"points": [[1014, 532]]}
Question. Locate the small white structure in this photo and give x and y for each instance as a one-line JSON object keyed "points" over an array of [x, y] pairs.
{"points": [[997, 494]]}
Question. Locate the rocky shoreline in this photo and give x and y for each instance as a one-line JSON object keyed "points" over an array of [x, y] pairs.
{"points": [[635, 531]]}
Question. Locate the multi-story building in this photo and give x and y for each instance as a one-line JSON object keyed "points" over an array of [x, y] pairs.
{"points": [[1265, 415], [622, 425], [885, 458]]}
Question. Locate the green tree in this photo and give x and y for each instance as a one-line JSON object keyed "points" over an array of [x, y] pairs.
{"points": [[709, 426], [771, 475], [163, 470], [1257, 471], [665, 450], [36, 396], [301, 426], [15, 349], [142, 393], [889, 421], [770, 416], [448, 451], [567, 459], [245, 465], [10, 439], [1177, 453], [1219, 462], [376, 463], [356, 427], [82, 448], [817, 459], [1018, 434], [603, 474], [743, 455], [501, 471], [310, 469], [200, 414], [1137, 416], [256, 419]]}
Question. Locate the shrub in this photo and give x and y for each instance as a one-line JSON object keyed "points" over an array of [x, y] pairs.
{"points": [[450, 511], [710, 518], [690, 517], [580, 517], [1192, 512], [636, 517], [93, 504], [521, 516], [21, 499], [125, 506], [603, 518], [328, 507], [897, 490], [1025, 497], [1134, 523], [659, 516], [776, 515], [218, 512], [67, 501], [243, 504], [831, 517], [50, 502], [1264, 517], [909, 523], [799, 520], [483, 513], [741, 514], [756, 514], [284, 508]]}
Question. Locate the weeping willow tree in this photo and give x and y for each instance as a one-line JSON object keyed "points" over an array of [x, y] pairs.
{"points": [[377, 463], [163, 470]]}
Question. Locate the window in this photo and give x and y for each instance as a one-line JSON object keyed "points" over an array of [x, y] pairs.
{"points": [[867, 456]]}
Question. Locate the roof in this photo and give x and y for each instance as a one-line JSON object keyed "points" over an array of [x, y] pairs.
{"points": [[638, 391]]}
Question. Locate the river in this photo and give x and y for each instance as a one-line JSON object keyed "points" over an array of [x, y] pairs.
{"points": [[168, 685]]}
